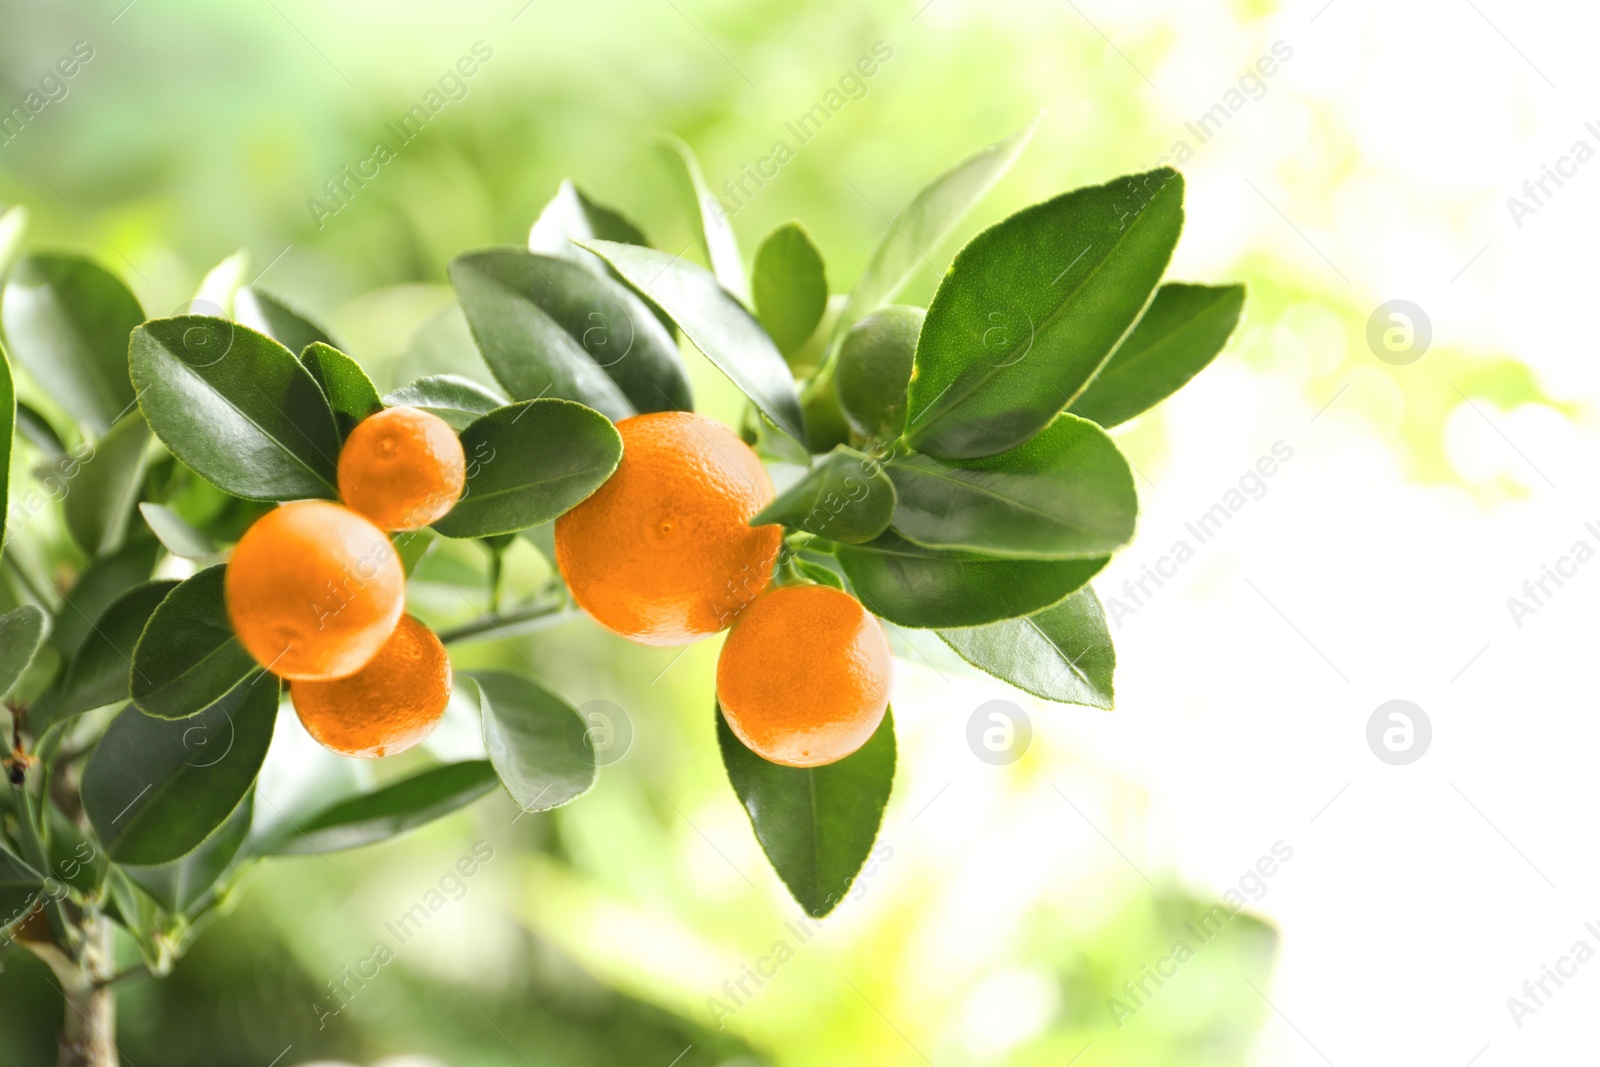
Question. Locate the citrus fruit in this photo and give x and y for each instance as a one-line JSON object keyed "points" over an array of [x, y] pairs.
{"points": [[803, 679], [403, 468], [313, 590], [875, 367], [662, 552], [387, 706]]}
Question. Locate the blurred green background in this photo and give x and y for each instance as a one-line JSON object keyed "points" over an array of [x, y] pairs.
{"points": [[999, 925]]}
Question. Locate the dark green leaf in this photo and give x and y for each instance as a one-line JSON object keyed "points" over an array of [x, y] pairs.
{"points": [[549, 327], [175, 533], [20, 887], [383, 813], [21, 634], [350, 393], [1063, 653], [187, 657], [922, 225], [816, 824], [267, 314], [180, 885], [236, 406], [98, 674], [933, 588], [845, 497], [1032, 307], [528, 463], [101, 582], [717, 324], [67, 322], [874, 370], [37, 429], [103, 492], [1181, 331], [155, 789], [790, 286], [708, 220], [535, 741], [1066, 493], [457, 400]]}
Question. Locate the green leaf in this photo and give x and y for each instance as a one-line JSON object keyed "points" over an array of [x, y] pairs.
{"points": [[535, 741], [934, 588], [846, 497], [67, 322], [176, 534], [180, 885], [707, 218], [350, 393], [154, 789], [874, 370], [385, 812], [236, 406], [717, 324], [20, 886], [8, 425], [187, 657], [571, 216], [100, 501], [13, 228], [820, 574], [457, 400], [1181, 331], [219, 288], [816, 824], [36, 428], [528, 463], [790, 286], [549, 327], [98, 674], [922, 225], [102, 581], [1067, 493], [21, 635], [267, 314], [1032, 307], [1063, 653]]}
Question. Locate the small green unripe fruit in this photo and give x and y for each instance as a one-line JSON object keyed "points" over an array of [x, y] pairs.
{"points": [[875, 369]]}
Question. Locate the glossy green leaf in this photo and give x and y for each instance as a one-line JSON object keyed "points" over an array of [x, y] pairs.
{"points": [[1062, 653], [1032, 307], [100, 499], [236, 406], [21, 634], [874, 370], [155, 790], [20, 886], [549, 327], [790, 286], [845, 496], [820, 574], [921, 226], [13, 228], [717, 324], [350, 393], [267, 314], [1181, 331], [535, 741], [98, 674], [180, 885], [102, 581], [935, 589], [1066, 493], [816, 824], [572, 216], [67, 322], [386, 812], [457, 400], [707, 219], [187, 657], [528, 463], [176, 534]]}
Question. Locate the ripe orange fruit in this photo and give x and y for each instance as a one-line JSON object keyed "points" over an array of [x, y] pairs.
{"points": [[803, 679], [314, 590], [387, 706], [403, 468], [662, 552]]}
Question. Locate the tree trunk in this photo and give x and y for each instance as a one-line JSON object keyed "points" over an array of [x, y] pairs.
{"points": [[88, 1036]]}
